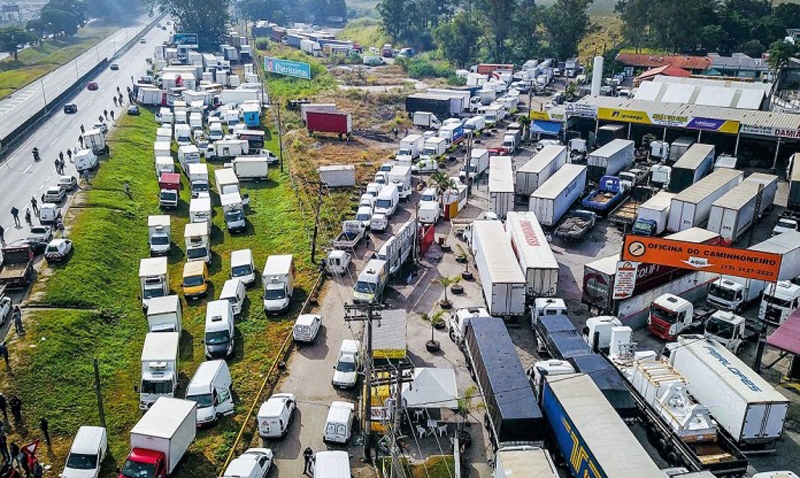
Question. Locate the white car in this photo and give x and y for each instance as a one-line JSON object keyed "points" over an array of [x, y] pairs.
{"points": [[58, 250], [306, 328], [55, 194], [253, 463], [69, 183], [5, 308]]}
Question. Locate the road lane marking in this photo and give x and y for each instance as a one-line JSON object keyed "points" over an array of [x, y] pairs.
{"points": [[27, 169]]}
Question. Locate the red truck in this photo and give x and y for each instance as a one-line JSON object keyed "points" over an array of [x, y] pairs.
{"points": [[16, 266], [329, 122], [170, 184], [489, 68]]}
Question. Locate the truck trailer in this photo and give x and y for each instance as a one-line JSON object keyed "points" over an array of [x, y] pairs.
{"points": [[536, 259], [610, 159], [501, 185], [692, 166], [329, 122], [692, 206], [735, 212], [535, 172], [653, 215], [502, 280], [553, 198], [442, 106]]}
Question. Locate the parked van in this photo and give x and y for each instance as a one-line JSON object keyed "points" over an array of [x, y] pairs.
{"points": [[387, 200], [233, 291], [215, 132], [87, 453], [345, 372], [371, 282], [339, 424], [306, 328], [331, 464], [219, 329], [243, 267], [210, 389], [195, 279], [275, 415]]}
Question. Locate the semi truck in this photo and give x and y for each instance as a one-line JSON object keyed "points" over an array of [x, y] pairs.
{"points": [[735, 212], [692, 166], [512, 415], [503, 283], [442, 106], [608, 194], [536, 259], [329, 122], [539, 169], [16, 266], [652, 215], [610, 159], [779, 301], [671, 315], [501, 185], [553, 198], [692, 206]]}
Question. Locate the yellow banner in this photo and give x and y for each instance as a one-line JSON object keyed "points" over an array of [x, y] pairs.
{"points": [[626, 116], [729, 126], [389, 354], [539, 115]]}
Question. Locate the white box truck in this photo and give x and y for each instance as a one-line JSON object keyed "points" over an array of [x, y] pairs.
{"points": [[159, 362], [188, 154], [251, 168], [165, 314], [161, 437], [610, 159], [153, 279], [501, 277], [196, 238], [338, 175], [538, 169], [226, 181], [278, 279], [410, 147], [553, 198], [501, 185], [534, 255], [233, 209], [478, 164], [692, 206], [158, 234], [198, 180], [735, 212], [741, 402], [653, 214]]}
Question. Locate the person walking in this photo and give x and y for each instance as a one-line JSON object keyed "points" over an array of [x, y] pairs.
{"points": [[56, 163], [14, 452], [4, 407], [100, 118], [105, 113], [83, 130], [2, 235], [18, 321], [4, 352], [61, 156], [69, 153], [16, 407], [35, 205], [80, 140], [15, 215], [308, 454], [115, 100], [112, 115], [44, 427], [28, 216]]}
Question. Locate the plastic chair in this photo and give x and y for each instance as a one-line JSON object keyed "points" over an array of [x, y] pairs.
{"points": [[421, 431]]}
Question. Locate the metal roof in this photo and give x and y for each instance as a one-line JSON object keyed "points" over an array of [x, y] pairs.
{"points": [[556, 183], [648, 90], [741, 85], [677, 94], [501, 174], [715, 96], [708, 185]]}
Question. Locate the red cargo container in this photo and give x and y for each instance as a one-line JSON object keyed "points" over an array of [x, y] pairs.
{"points": [[170, 181], [329, 122], [489, 68]]}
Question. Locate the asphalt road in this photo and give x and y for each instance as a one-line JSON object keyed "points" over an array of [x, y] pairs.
{"points": [[21, 177]]}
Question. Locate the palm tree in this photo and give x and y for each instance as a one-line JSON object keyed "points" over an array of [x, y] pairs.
{"points": [[465, 405], [435, 318], [443, 182], [446, 282]]}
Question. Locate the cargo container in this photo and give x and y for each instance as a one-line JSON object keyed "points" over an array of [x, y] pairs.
{"points": [[793, 176], [652, 216], [536, 259], [329, 122], [442, 106], [553, 198], [788, 246], [512, 414], [735, 212], [489, 68], [539, 169], [463, 96], [609, 132], [679, 147], [515, 461], [695, 163], [338, 175], [592, 439], [741, 402], [501, 185], [324, 107], [610, 159], [501, 277], [692, 206]]}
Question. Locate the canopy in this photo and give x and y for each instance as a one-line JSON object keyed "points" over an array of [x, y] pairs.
{"points": [[431, 388], [546, 127], [787, 336]]}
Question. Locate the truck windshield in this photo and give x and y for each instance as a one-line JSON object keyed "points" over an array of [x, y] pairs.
{"points": [[345, 367], [150, 293], [80, 461], [642, 228], [203, 401], [168, 195], [777, 301], [364, 216], [664, 314], [274, 294], [217, 338], [404, 152], [718, 291], [365, 287], [196, 252], [241, 271], [138, 470], [719, 328], [234, 215], [159, 240], [428, 197], [429, 152], [193, 281], [160, 387], [384, 203], [199, 187]]}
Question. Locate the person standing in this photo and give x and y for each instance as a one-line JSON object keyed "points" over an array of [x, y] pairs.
{"points": [[308, 453], [44, 427], [4, 352], [28, 216], [15, 215], [61, 156], [56, 163], [18, 321], [115, 101], [16, 407], [80, 140], [14, 452], [83, 130], [69, 153], [112, 115], [105, 113], [35, 205]]}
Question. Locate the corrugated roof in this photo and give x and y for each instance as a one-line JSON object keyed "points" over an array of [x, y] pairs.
{"points": [[749, 99], [666, 70], [652, 61], [556, 183], [648, 91], [715, 96], [698, 91], [677, 94], [708, 185], [727, 83]]}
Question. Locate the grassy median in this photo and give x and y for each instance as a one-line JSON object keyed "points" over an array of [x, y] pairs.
{"points": [[89, 306]]}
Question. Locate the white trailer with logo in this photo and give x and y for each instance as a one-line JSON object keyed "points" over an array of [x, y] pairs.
{"points": [[501, 277], [534, 255], [501, 185]]}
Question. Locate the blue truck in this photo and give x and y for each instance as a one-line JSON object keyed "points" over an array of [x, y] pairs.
{"points": [[608, 194]]}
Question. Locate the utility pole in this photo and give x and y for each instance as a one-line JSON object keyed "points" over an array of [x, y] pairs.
{"points": [[468, 163], [756, 210], [395, 376], [98, 391], [280, 132], [366, 313], [320, 189]]}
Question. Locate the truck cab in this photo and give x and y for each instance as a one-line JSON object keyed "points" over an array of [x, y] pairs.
{"points": [[644, 227], [153, 281], [733, 293], [779, 301], [547, 307], [198, 245], [785, 224], [219, 330], [338, 262], [233, 209], [371, 282], [459, 322], [669, 316], [728, 329]]}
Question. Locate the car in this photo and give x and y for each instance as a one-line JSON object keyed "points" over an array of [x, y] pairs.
{"points": [[41, 233], [114, 66], [163, 27], [142, 41], [133, 110], [69, 183], [57, 250], [36, 245], [253, 463], [102, 127], [5, 308], [55, 194], [92, 86], [70, 108]]}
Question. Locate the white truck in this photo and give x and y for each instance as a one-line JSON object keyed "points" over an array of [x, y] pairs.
{"points": [[159, 367], [610, 159], [424, 119], [278, 279], [398, 249], [164, 164], [200, 210], [692, 206], [515, 461], [153, 279], [779, 301], [429, 212], [459, 322], [352, 233], [85, 160], [160, 438], [188, 154], [538, 169], [233, 209], [478, 164], [338, 175], [501, 278], [735, 212], [433, 148], [198, 180], [158, 234], [410, 148], [196, 237], [652, 215], [95, 140], [227, 149], [729, 329], [511, 141], [400, 175], [536, 259], [752, 411], [183, 134], [165, 314], [226, 181], [554, 198], [501, 185], [251, 168]]}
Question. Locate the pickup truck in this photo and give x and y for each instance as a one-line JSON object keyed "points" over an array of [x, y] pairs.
{"points": [[607, 195], [626, 212], [577, 224], [352, 233], [16, 271]]}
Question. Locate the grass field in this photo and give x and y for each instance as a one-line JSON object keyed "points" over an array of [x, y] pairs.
{"points": [[89, 305], [366, 31], [287, 87], [33, 63]]}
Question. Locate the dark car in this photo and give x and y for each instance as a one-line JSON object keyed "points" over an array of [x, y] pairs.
{"points": [[114, 66], [92, 86], [37, 245], [133, 110], [71, 108]]}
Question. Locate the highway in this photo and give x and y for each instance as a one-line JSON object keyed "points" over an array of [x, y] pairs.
{"points": [[21, 177]]}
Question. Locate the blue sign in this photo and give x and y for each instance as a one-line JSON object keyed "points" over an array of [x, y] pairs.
{"points": [[185, 39], [287, 68]]}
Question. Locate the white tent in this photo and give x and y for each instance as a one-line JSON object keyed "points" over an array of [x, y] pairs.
{"points": [[431, 388]]}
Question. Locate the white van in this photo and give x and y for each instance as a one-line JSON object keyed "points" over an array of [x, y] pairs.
{"points": [[331, 464], [243, 267], [339, 424], [233, 291], [200, 210], [219, 329], [387, 200], [215, 132], [345, 372], [306, 328], [275, 415], [210, 389], [87, 453]]}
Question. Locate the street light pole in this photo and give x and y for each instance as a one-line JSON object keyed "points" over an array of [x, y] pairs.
{"points": [[44, 97]]}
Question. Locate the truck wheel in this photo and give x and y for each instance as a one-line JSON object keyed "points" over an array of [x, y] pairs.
{"points": [[452, 335], [673, 460], [663, 447], [652, 436]]}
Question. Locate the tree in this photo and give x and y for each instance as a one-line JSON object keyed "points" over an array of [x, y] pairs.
{"points": [[753, 48], [567, 23], [113, 10], [434, 319], [447, 281], [497, 23], [780, 52], [526, 41], [456, 39], [207, 18], [12, 37], [63, 17]]}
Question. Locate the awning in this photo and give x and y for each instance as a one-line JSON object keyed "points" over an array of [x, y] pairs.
{"points": [[787, 336], [549, 128], [431, 388]]}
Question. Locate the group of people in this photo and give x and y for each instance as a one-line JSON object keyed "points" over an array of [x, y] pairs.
{"points": [[19, 461]]}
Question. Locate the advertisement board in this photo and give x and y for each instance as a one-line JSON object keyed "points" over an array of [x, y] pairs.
{"points": [[625, 279], [661, 119], [188, 40], [581, 109], [296, 69], [700, 257]]}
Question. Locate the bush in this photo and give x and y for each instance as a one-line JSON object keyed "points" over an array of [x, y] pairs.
{"points": [[417, 67], [262, 44]]}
